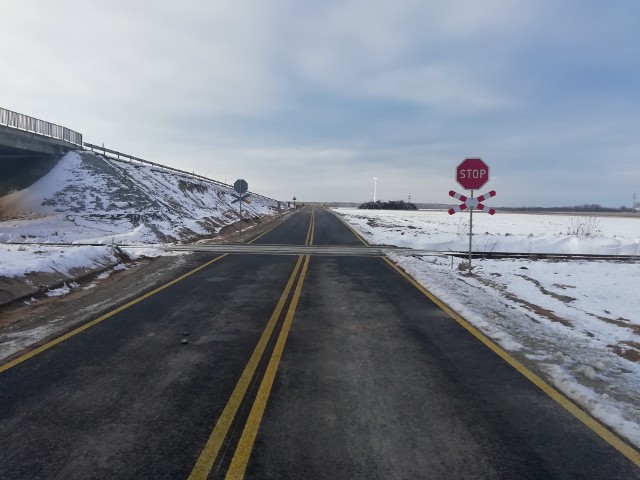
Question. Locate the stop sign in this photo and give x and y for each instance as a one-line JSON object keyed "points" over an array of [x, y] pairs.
{"points": [[472, 173]]}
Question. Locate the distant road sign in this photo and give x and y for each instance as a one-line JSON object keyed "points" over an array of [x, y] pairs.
{"points": [[472, 173], [241, 186]]}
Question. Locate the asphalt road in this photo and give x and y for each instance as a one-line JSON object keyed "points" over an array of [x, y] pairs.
{"points": [[295, 367]]}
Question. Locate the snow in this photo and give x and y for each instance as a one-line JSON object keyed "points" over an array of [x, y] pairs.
{"points": [[523, 233], [17, 260], [61, 291], [576, 323], [89, 199]]}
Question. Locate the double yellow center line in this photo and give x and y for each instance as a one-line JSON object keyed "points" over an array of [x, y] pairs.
{"points": [[312, 229], [220, 432]]}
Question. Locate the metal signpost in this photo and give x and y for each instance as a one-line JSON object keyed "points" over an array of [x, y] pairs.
{"points": [[241, 187], [472, 174]]}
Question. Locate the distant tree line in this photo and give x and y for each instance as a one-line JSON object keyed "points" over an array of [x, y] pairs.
{"points": [[392, 205], [586, 208]]}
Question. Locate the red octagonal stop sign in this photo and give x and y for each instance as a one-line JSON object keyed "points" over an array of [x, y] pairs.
{"points": [[472, 173]]}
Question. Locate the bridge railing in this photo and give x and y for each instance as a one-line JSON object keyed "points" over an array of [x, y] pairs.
{"points": [[40, 127]]}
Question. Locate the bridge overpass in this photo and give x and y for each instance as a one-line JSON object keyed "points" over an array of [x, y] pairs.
{"points": [[23, 133], [30, 148]]}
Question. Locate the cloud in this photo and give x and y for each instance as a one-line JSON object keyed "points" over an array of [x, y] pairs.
{"points": [[322, 96], [153, 57], [439, 87]]}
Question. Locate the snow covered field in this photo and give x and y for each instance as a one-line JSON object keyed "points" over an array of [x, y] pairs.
{"points": [[576, 323], [503, 232]]}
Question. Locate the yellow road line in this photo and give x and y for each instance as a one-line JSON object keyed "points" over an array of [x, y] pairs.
{"points": [[310, 232], [90, 324], [245, 445], [212, 447], [602, 431]]}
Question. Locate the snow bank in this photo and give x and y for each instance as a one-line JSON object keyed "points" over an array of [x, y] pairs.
{"points": [[18, 260], [521, 233]]}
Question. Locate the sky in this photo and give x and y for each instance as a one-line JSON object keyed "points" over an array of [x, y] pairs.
{"points": [[316, 99]]}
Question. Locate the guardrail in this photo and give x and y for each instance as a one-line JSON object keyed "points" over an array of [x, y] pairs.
{"points": [[124, 157], [40, 127], [115, 155]]}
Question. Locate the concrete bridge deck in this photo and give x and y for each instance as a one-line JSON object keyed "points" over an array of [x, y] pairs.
{"points": [[30, 148]]}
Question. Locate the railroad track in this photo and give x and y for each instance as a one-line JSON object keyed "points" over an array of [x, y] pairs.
{"points": [[338, 250], [546, 256]]}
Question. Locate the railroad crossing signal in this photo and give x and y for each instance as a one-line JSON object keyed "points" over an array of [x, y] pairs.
{"points": [[472, 174], [239, 198], [472, 202], [240, 186]]}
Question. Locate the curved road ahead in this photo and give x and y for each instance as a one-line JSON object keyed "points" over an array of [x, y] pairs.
{"points": [[296, 367]]}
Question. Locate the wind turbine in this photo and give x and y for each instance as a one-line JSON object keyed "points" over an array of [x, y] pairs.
{"points": [[375, 187]]}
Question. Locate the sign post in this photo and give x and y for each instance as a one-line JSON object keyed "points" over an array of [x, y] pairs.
{"points": [[472, 174], [241, 187]]}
